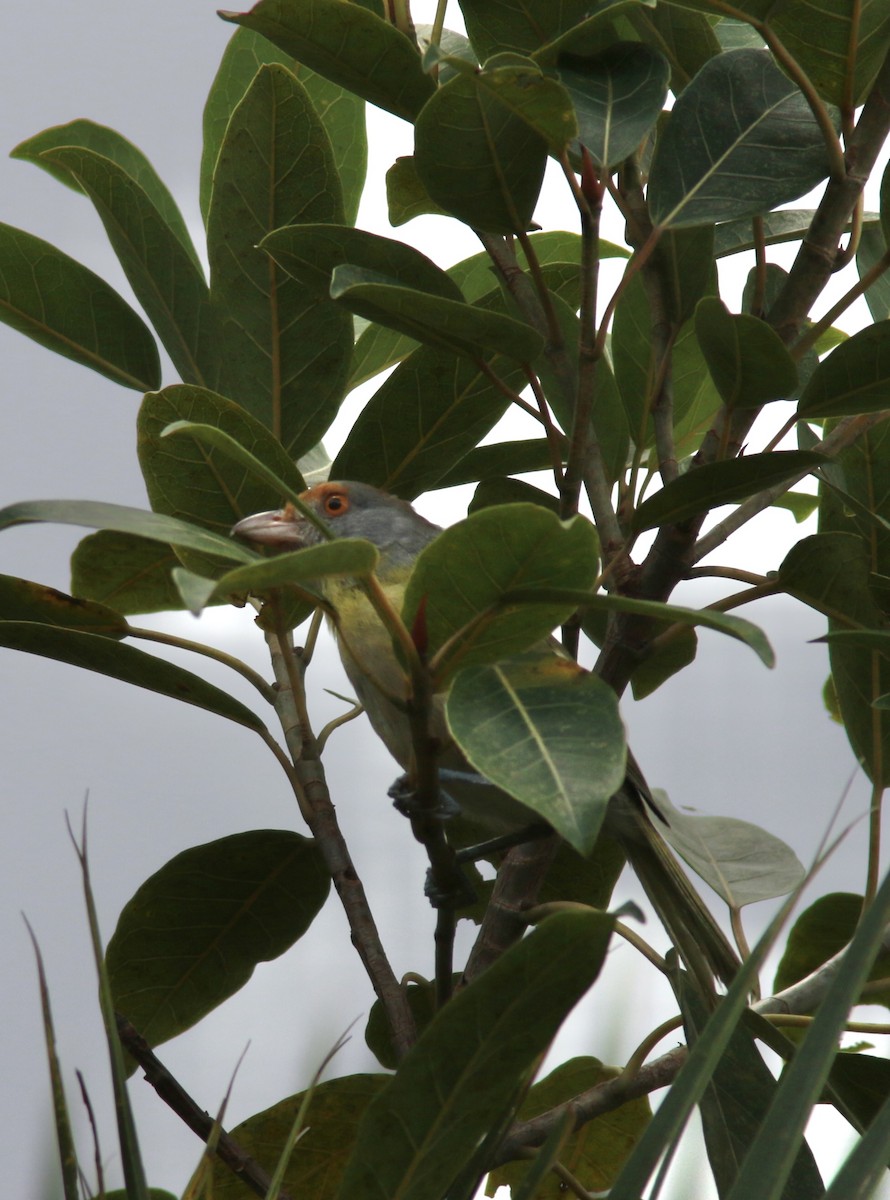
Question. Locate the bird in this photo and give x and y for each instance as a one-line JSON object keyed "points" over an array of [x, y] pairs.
{"points": [[354, 509]]}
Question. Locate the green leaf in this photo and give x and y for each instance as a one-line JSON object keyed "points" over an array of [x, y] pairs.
{"points": [[379, 348], [432, 319], [714, 484], [521, 28], [348, 45], [686, 39], [547, 733], [596, 1153], [286, 354], [343, 556], [312, 252], [120, 518], [111, 145], [336, 1107], [534, 97], [871, 248], [196, 477], [120, 661], [741, 1088], [192, 934], [736, 627], [771, 1159], [665, 660], [740, 861], [162, 273], [618, 96], [22, 600], [477, 159], [128, 572], [424, 418], [856, 555], [341, 112], [854, 378], [740, 140], [785, 225], [747, 359], [62, 305], [421, 999], [464, 574], [463, 1078], [840, 48], [500, 458], [406, 197], [821, 932]]}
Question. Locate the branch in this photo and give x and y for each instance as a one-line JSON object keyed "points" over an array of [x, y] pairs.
{"points": [[310, 787], [800, 998], [843, 435], [177, 1098]]}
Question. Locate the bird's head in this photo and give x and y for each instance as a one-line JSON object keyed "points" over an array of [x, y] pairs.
{"points": [[349, 509]]}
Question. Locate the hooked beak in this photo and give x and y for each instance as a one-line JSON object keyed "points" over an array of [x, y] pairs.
{"points": [[283, 529]]}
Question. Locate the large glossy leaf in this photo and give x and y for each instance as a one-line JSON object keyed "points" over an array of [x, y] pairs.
{"points": [[740, 140], [423, 419], [341, 112], [312, 252], [820, 932], [431, 319], [463, 575], [546, 732], [379, 348], [163, 274], [111, 145], [862, 545], [854, 378], [748, 361], [477, 159], [349, 45], [193, 933], [343, 556], [286, 353], [62, 305], [708, 618], [493, 28], [715, 484], [871, 249], [595, 1153], [740, 861], [118, 517], [190, 479], [336, 1107], [129, 572], [686, 39], [22, 600], [94, 652], [500, 458], [785, 225], [618, 96], [463, 1078], [841, 47]]}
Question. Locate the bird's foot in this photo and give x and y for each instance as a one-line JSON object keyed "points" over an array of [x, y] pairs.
{"points": [[496, 845], [404, 797], [456, 892]]}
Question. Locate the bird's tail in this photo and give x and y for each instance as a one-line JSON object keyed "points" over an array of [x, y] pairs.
{"points": [[701, 943]]}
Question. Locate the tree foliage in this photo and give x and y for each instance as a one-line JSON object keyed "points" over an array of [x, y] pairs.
{"points": [[701, 122]]}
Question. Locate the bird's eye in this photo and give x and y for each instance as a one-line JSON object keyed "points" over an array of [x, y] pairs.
{"points": [[335, 504]]}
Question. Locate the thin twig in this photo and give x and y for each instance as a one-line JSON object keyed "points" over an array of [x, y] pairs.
{"points": [[190, 1112]]}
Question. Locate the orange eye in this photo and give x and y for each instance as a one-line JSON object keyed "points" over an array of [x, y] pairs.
{"points": [[335, 504]]}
